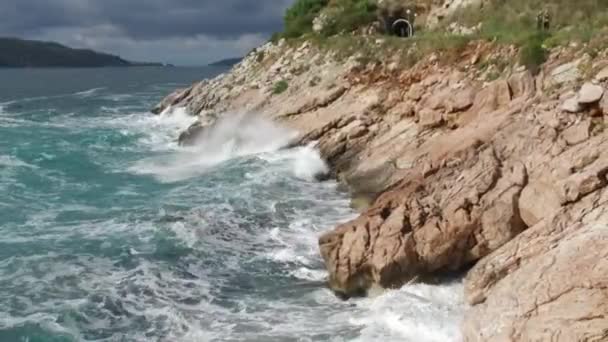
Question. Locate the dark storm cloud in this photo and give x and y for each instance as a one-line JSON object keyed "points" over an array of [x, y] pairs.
{"points": [[145, 19], [112, 23]]}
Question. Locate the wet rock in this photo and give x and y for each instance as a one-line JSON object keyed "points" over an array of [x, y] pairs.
{"points": [[190, 136]]}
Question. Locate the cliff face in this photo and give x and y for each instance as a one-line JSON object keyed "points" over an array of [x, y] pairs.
{"points": [[507, 176]]}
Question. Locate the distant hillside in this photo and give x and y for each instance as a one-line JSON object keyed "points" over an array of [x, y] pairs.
{"points": [[227, 62], [18, 53]]}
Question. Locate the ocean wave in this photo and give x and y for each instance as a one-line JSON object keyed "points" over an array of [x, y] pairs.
{"points": [[231, 137], [14, 162], [429, 313], [88, 92]]}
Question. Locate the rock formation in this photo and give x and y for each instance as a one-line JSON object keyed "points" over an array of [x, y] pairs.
{"points": [[505, 177]]}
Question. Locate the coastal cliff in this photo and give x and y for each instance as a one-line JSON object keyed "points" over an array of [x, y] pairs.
{"points": [[462, 157]]}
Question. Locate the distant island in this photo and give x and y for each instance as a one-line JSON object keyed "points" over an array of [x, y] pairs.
{"points": [[19, 53], [227, 62]]}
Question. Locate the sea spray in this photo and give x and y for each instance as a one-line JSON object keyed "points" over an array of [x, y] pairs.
{"points": [[230, 137], [308, 164]]}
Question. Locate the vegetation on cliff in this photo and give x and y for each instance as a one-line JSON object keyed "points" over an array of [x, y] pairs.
{"points": [[351, 28], [18, 53], [339, 16]]}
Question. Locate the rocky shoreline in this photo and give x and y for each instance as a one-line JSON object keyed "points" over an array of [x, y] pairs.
{"points": [[504, 179]]}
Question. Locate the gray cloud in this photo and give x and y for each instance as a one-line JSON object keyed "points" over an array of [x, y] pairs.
{"points": [[178, 31]]}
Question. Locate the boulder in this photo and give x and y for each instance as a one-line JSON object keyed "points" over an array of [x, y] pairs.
{"points": [[423, 228], [590, 93], [537, 201]]}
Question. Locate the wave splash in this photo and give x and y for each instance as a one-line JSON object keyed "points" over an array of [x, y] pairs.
{"points": [[230, 137]]}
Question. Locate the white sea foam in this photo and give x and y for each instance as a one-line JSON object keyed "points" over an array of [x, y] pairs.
{"points": [[231, 137], [89, 92], [414, 313], [13, 162], [308, 163]]}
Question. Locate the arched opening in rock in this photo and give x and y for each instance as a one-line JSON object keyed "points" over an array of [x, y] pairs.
{"points": [[402, 28]]}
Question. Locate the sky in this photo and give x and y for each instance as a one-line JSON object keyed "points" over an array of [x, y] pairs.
{"points": [[181, 32]]}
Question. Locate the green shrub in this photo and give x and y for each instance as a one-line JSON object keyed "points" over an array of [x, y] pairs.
{"points": [[349, 15], [513, 21], [532, 53], [299, 17], [280, 87]]}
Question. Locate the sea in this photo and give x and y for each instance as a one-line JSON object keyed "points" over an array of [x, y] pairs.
{"points": [[109, 231]]}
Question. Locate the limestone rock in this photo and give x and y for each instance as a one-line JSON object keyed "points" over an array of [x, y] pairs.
{"points": [[590, 93], [549, 283]]}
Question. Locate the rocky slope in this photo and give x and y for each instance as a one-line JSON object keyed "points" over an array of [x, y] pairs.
{"points": [[504, 179]]}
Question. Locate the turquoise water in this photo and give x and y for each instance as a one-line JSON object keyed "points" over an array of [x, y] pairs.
{"points": [[111, 232]]}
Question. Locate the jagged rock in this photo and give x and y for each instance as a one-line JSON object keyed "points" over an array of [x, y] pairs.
{"points": [[549, 283], [173, 99], [572, 106], [590, 93], [558, 266], [192, 134], [409, 232], [515, 186]]}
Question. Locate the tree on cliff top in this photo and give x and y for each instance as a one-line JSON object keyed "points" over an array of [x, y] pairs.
{"points": [[299, 17]]}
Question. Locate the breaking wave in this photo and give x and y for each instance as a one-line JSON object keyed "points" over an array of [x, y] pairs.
{"points": [[112, 232], [232, 136]]}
